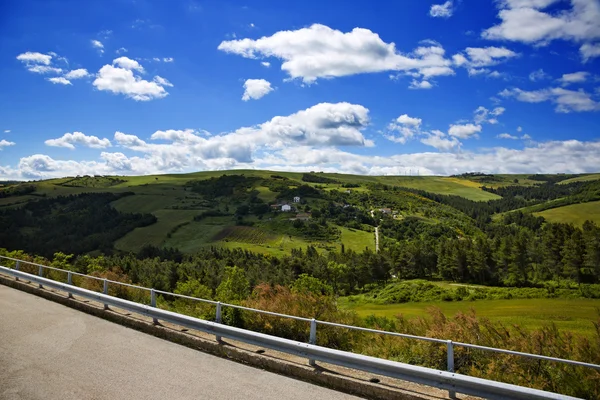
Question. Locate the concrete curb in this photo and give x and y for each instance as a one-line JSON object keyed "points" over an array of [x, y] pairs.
{"points": [[306, 373]]}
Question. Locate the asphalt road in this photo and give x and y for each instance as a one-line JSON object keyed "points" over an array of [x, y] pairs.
{"points": [[49, 351]]}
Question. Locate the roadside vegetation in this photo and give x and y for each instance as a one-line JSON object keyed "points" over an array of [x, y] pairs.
{"points": [[470, 258]]}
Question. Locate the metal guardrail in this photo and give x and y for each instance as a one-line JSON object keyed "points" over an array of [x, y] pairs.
{"points": [[441, 379], [313, 322]]}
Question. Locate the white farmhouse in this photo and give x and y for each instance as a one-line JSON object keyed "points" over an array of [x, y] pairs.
{"points": [[297, 199], [286, 208]]}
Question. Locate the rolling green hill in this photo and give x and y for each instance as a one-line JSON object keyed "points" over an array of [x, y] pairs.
{"points": [[575, 214], [340, 204]]}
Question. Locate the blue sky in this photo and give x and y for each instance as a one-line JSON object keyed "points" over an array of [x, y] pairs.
{"points": [[431, 87]]}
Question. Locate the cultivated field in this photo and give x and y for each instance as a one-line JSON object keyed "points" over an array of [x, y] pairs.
{"points": [[575, 214], [575, 315]]}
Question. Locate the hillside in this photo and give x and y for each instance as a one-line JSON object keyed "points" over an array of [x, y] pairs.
{"points": [[334, 212]]}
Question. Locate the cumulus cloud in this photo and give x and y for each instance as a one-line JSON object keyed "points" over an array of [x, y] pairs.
{"points": [[441, 10], [44, 69], [575, 77], [40, 63], [34, 58], [77, 74], [6, 143], [323, 125], [507, 136], [475, 59], [119, 78], [464, 131], [162, 81], [571, 156], [128, 63], [589, 50], [403, 128], [121, 50], [69, 140], [265, 64], [420, 85], [7, 131], [256, 88], [97, 45], [538, 75], [441, 141], [483, 115], [529, 21], [321, 52], [566, 100], [59, 80]]}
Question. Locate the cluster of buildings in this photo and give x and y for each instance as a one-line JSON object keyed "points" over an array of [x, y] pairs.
{"points": [[285, 206]]}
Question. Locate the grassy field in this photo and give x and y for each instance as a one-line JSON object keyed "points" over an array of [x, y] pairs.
{"points": [[583, 178], [575, 214], [189, 238], [155, 234], [442, 185], [575, 315], [357, 240]]}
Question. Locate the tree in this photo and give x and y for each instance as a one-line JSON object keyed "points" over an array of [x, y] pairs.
{"points": [[234, 286], [573, 256], [306, 284]]}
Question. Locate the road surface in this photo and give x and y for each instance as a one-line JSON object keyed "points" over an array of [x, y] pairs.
{"points": [[49, 351]]}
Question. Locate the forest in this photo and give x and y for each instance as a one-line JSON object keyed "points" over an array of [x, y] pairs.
{"points": [[497, 245]]}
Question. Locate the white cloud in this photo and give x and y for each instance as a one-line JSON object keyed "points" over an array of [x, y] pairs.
{"points": [[406, 127], [420, 85], [7, 131], [525, 137], [441, 10], [128, 63], [121, 79], [256, 88], [565, 100], [441, 141], [121, 50], [483, 115], [321, 52], [575, 77], [486, 56], [168, 59], [34, 58], [162, 81], [69, 140], [464, 131], [571, 156], [43, 69], [406, 120], [6, 143], [526, 21], [589, 50], [507, 136], [519, 129], [77, 74], [266, 64], [476, 58], [538, 75], [97, 45], [60, 80]]}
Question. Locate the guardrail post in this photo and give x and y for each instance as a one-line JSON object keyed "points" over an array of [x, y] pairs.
{"points": [[105, 291], [70, 282], [153, 304], [41, 274], [218, 318], [313, 338], [450, 353], [17, 266]]}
